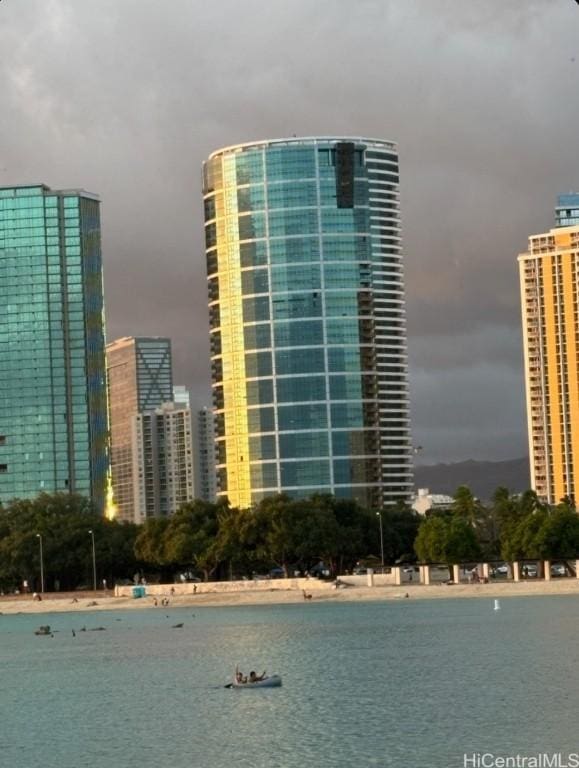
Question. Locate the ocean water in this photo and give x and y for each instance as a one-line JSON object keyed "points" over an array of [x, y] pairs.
{"points": [[407, 683]]}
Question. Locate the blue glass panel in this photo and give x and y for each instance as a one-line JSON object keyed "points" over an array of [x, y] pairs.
{"points": [[302, 221], [343, 332], [299, 445], [297, 305], [249, 166], [299, 333], [347, 415], [305, 473], [344, 359], [301, 389], [346, 248], [306, 416], [290, 163], [346, 388], [292, 195], [294, 249], [299, 361], [295, 278], [347, 275]]}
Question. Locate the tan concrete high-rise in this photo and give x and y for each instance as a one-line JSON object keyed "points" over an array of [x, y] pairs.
{"points": [[549, 277], [139, 379]]}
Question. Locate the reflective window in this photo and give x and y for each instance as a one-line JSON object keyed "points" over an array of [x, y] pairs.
{"points": [[292, 195], [297, 305], [255, 309], [257, 336], [347, 415], [305, 473], [299, 361], [295, 249], [343, 331], [353, 442], [296, 445], [258, 364], [301, 389], [253, 254], [306, 416], [295, 278], [263, 475], [298, 333], [259, 392], [262, 447], [254, 281], [294, 221], [260, 420]]}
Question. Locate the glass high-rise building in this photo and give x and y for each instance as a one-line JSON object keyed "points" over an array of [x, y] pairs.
{"points": [[140, 378], [308, 333], [53, 408]]}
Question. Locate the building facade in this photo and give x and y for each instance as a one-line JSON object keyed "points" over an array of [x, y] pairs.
{"points": [[53, 406], [204, 453], [140, 379], [567, 210], [549, 278], [162, 461], [307, 316]]}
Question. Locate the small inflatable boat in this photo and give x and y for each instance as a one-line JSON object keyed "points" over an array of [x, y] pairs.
{"points": [[268, 682]]}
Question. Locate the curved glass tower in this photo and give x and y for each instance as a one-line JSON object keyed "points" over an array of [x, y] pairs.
{"points": [[306, 303]]}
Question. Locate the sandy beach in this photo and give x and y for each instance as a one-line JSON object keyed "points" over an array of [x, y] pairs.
{"points": [[99, 601]]}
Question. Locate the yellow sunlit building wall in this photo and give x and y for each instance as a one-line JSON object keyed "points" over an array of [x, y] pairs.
{"points": [[549, 279]]}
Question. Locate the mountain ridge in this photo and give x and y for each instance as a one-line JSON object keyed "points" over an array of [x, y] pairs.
{"points": [[482, 477]]}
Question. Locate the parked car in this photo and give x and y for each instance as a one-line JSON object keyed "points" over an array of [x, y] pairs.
{"points": [[558, 570]]}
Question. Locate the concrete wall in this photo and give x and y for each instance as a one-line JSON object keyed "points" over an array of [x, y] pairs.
{"points": [[249, 585]]}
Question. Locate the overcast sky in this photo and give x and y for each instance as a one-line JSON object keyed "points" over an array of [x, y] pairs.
{"points": [[127, 97]]}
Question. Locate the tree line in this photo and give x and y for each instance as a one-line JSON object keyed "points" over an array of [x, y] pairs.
{"points": [[217, 541]]}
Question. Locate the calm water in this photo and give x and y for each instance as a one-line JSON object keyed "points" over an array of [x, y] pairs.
{"points": [[409, 683]]}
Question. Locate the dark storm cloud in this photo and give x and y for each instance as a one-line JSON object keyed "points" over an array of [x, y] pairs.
{"points": [[127, 97]]}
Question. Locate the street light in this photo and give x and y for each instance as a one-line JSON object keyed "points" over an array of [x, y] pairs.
{"points": [[94, 586], [379, 515], [39, 537]]}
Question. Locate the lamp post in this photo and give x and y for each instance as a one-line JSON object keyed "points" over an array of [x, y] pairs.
{"points": [[379, 515], [94, 585], [39, 537]]}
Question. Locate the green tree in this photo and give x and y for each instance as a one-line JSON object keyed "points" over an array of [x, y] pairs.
{"points": [[443, 539]]}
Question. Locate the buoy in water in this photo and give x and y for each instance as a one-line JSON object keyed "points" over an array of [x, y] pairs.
{"points": [[497, 605]]}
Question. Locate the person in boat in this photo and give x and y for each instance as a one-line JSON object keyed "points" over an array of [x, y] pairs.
{"points": [[239, 677], [253, 678]]}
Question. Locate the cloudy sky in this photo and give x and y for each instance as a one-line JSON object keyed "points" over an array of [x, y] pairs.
{"points": [[127, 97]]}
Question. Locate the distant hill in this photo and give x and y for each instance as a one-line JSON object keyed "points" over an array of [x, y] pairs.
{"points": [[482, 477]]}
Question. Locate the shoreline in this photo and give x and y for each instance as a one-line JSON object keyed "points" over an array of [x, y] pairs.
{"points": [[96, 602]]}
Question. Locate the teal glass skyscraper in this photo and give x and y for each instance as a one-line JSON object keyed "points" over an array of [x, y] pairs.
{"points": [[53, 407], [306, 304]]}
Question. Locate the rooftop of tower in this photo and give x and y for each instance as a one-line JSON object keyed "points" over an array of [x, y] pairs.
{"points": [[302, 140]]}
